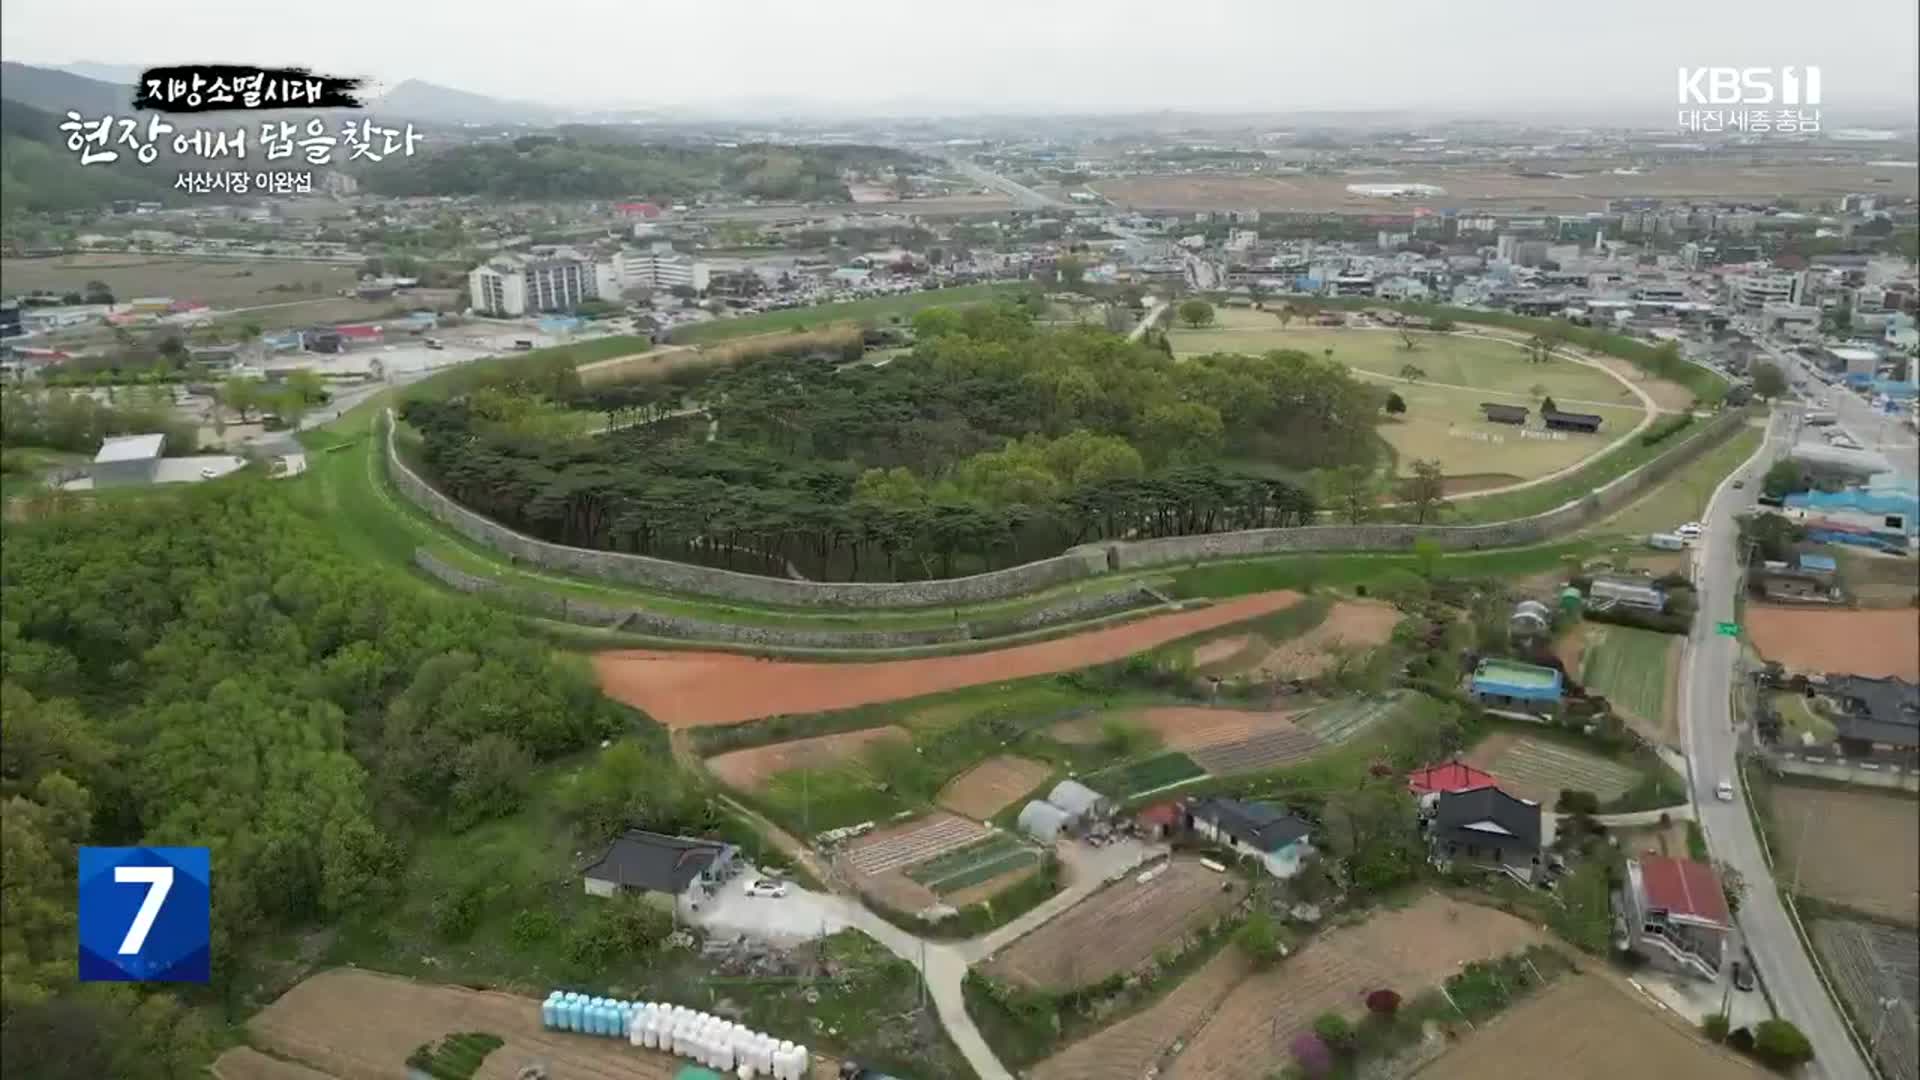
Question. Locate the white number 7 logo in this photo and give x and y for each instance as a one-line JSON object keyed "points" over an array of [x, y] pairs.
{"points": [[160, 878]]}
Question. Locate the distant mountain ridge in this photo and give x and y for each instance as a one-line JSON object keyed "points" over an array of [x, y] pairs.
{"points": [[56, 90]]}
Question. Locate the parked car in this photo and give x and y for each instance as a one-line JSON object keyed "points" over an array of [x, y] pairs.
{"points": [[766, 887], [1724, 791], [1690, 531]]}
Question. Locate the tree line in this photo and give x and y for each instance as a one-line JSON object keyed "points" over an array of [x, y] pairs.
{"points": [[203, 668], [998, 442]]}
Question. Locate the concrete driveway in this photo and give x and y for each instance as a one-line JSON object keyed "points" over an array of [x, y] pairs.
{"points": [[788, 920]]}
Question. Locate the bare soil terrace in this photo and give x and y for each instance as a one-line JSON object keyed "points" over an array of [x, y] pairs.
{"points": [[699, 689], [1119, 928], [1874, 643], [748, 769]]}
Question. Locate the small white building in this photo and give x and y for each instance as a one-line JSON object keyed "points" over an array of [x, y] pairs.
{"points": [[1280, 840], [675, 872]]}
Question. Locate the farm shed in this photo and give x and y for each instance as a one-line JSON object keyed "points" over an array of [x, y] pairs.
{"points": [[1157, 821], [1570, 421], [1279, 839], [671, 871], [1081, 803], [1529, 617], [1607, 592], [1043, 821], [1504, 414]]}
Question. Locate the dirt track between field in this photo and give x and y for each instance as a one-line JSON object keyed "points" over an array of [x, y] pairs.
{"points": [[702, 689]]}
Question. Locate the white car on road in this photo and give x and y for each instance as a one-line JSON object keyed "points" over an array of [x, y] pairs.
{"points": [[767, 888], [1724, 791]]}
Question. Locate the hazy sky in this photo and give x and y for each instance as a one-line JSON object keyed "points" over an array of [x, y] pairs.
{"points": [[1252, 55]]}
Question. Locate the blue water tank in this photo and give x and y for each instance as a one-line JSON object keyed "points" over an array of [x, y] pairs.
{"points": [[576, 1009], [550, 1011], [625, 1018], [596, 1015]]}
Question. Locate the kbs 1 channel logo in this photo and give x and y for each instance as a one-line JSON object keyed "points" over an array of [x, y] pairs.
{"points": [[146, 914], [1750, 101]]}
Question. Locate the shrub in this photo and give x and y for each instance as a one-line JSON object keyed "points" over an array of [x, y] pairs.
{"points": [[1577, 802], [1779, 1044], [1715, 1027], [1334, 1030], [1312, 1054], [1258, 939], [456, 914], [1383, 1003], [533, 928]]}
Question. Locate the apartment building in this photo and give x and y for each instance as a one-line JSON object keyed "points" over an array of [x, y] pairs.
{"points": [[511, 285], [661, 267], [1754, 292]]}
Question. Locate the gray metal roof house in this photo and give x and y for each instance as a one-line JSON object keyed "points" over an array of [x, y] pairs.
{"points": [[1043, 821], [659, 867]]}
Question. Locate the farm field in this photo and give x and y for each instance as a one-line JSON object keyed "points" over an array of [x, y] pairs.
{"points": [[696, 689], [1459, 359], [1123, 782], [1635, 669], [219, 283], [1683, 496], [1861, 848], [992, 786], [1584, 1027], [749, 769], [1118, 928], [355, 1024], [1408, 949], [246, 1063], [980, 861], [1535, 769], [881, 307], [1872, 964], [1349, 627], [1136, 1044], [1878, 580], [885, 864], [1589, 188], [1875, 643]]}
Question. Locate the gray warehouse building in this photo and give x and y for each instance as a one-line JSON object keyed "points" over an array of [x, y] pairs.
{"points": [[128, 461]]}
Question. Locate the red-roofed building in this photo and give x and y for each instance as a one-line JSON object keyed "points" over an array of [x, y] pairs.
{"points": [[1448, 776], [1158, 820], [638, 209], [1676, 915]]}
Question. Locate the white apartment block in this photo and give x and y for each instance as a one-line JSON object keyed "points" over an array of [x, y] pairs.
{"points": [[661, 267], [1754, 292], [512, 285]]}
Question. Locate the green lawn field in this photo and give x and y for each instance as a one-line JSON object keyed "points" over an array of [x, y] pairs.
{"points": [[1445, 423], [1456, 359], [1629, 666], [1683, 496]]}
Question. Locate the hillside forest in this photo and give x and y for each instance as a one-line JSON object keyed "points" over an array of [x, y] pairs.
{"points": [[998, 442], [202, 667]]}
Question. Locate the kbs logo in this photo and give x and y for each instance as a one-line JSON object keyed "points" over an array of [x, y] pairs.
{"points": [[145, 914], [1749, 86]]}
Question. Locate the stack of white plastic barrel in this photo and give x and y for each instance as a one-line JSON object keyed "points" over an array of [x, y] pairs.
{"points": [[675, 1029]]}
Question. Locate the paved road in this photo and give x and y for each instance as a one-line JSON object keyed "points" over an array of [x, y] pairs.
{"points": [[1712, 745], [1028, 198], [1872, 429], [1140, 328]]}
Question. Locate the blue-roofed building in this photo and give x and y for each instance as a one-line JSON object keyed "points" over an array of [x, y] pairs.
{"points": [[1499, 683], [1879, 517], [1818, 564]]}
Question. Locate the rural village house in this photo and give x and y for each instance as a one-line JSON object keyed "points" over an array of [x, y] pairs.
{"points": [[1676, 915], [1277, 838], [1448, 776], [1880, 717], [1487, 827], [674, 872]]}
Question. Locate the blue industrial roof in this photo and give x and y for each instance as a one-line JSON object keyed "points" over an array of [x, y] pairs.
{"points": [[1522, 682], [1822, 563], [1883, 501]]}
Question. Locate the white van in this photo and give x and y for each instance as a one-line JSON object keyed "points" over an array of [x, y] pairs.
{"points": [[1689, 532]]}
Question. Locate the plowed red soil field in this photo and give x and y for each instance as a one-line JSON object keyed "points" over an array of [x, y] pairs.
{"points": [[1871, 643], [702, 689]]}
